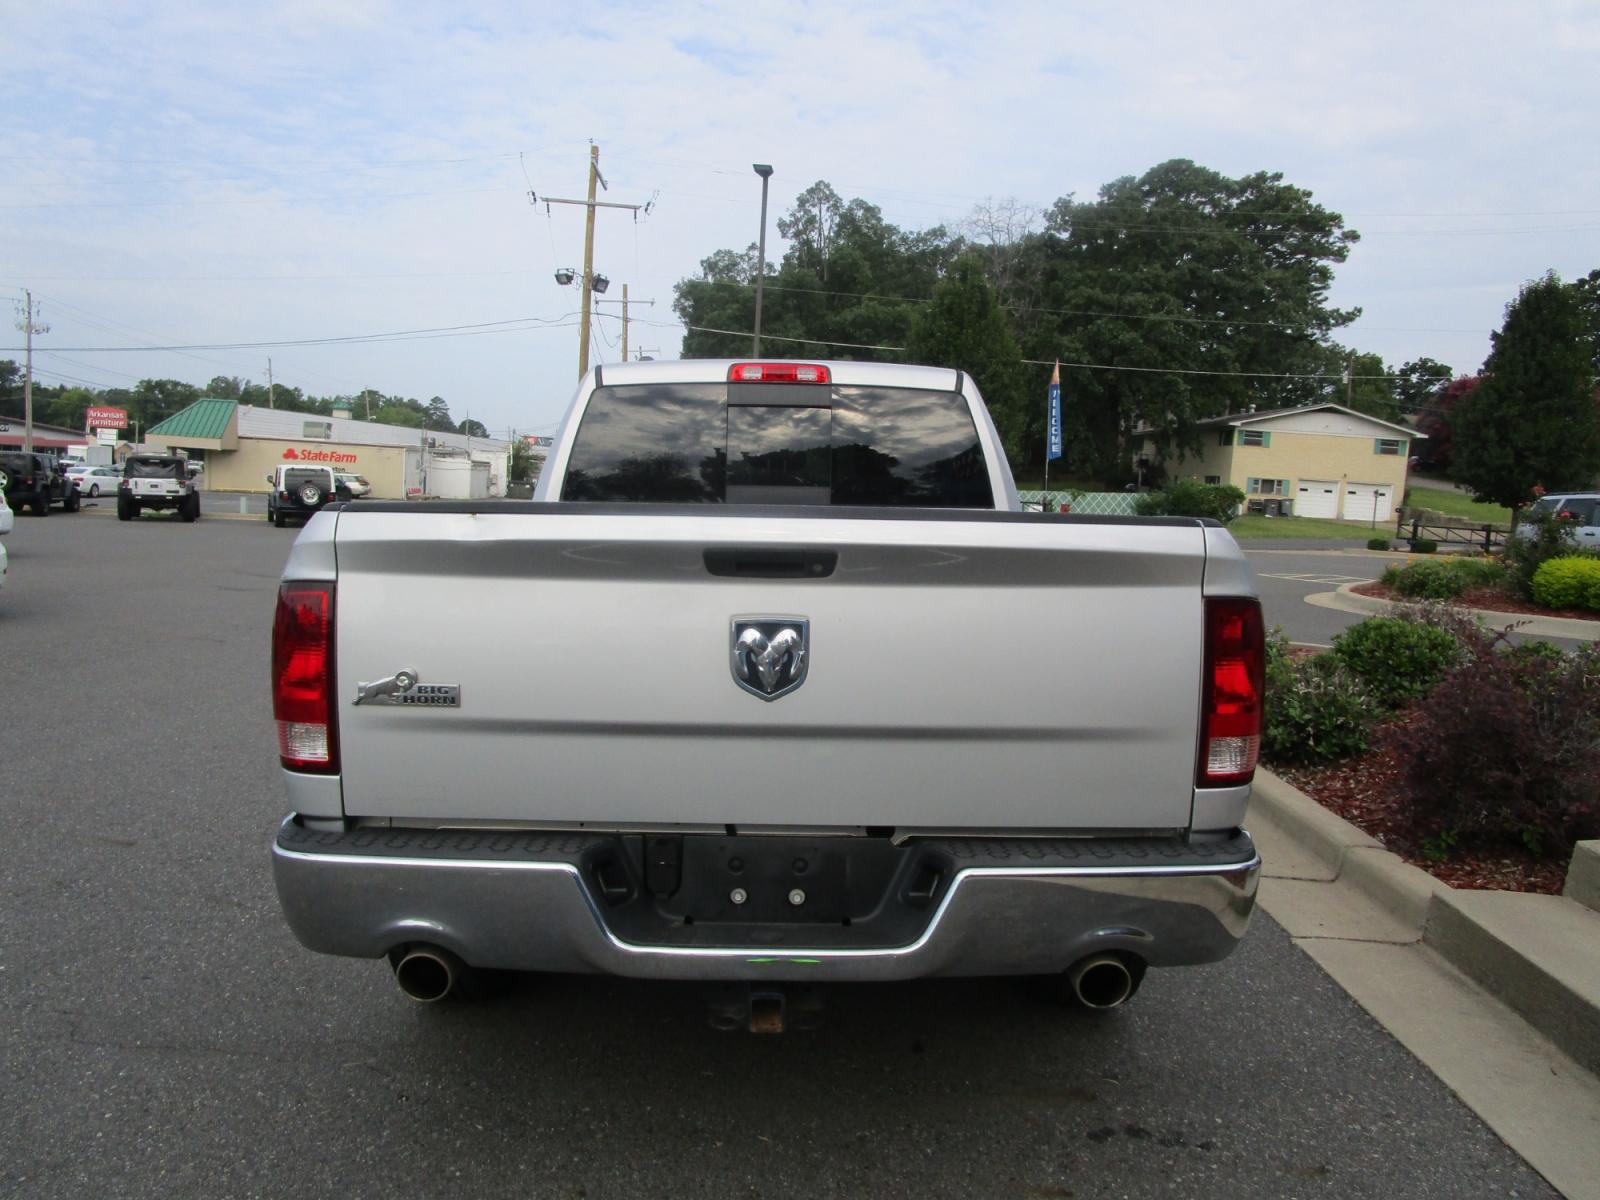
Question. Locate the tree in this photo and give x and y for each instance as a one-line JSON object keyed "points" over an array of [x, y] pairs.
{"points": [[473, 428], [525, 464], [436, 415], [10, 388], [1417, 382], [68, 408], [1532, 420], [395, 412], [965, 328], [154, 400], [1437, 422], [1187, 289], [849, 280], [1587, 290]]}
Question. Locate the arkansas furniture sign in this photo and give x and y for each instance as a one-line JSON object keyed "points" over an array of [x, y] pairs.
{"points": [[106, 418]]}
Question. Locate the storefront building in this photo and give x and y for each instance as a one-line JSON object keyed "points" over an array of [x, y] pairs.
{"points": [[242, 445]]}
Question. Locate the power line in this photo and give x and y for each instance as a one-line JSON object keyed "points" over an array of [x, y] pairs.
{"points": [[513, 325], [1175, 318]]}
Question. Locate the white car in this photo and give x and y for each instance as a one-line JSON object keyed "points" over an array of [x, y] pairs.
{"points": [[7, 517], [91, 481], [357, 484]]}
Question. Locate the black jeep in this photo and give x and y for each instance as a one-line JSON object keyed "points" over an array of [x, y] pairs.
{"points": [[299, 493], [35, 480]]}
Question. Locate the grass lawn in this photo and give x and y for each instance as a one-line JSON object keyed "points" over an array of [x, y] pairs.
{"points": [[1305, 528], [1060, 484], [1458, 504]]}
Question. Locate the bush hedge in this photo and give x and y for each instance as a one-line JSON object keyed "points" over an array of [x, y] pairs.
{"points": [[1396, 660], [1377, 543], [1186, 498], [1572, 582], [1318, 710], [1424, 546], [1538, 539], [1444, 578], [1503, 748]]}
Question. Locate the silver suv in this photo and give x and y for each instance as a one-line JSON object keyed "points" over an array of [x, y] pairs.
{"points": [[1582, 509]]}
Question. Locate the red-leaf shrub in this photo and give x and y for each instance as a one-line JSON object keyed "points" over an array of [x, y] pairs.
{"points": [[1506, 747]]}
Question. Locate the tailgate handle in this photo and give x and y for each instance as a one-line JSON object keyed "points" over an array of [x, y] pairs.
{"points": [[761, 562]]}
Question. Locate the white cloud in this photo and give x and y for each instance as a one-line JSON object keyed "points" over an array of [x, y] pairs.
{"points": [[379, 144]]}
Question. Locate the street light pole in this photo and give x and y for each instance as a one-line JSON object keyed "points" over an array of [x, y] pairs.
{"points": [[765, 171]]}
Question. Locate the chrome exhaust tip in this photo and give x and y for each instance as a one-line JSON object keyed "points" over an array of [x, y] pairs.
{"points": [[428, 974], [1102, 981]]}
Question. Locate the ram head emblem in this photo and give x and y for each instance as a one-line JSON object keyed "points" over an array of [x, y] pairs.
{"points": [[770, 654]]}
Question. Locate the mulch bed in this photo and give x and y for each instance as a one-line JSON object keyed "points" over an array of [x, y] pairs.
{"points": [[1365, 791], [1490, 598]]}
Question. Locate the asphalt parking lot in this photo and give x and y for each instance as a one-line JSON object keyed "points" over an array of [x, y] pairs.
{"points": [[162, 1034]]}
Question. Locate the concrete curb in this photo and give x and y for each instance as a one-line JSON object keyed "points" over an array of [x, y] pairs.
{"points": [[1538, 955], [1583, 875], [1402, 890], [1346, 599]]}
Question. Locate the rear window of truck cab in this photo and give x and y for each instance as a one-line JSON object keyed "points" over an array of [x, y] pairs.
{"points": [[739, 443]]}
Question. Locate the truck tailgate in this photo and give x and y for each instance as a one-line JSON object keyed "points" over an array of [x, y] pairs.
{"points": [[1008, 673]]}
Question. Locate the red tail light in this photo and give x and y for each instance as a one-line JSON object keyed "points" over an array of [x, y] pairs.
{"points": [[302, 678], [778, 372], [1234, 691]]}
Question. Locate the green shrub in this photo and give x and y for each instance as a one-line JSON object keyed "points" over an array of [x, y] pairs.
{"points": [[1396, 660], [1377, 543], [1444, 578], [1572, 582], [1186, 498], [1539, 538], [1424, 546], [1317, 709]]}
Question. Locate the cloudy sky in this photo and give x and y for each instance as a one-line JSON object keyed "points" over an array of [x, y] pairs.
{"points": [[202, 173]]}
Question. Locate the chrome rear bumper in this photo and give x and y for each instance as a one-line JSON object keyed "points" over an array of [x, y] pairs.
{"points": [[521, 902]]}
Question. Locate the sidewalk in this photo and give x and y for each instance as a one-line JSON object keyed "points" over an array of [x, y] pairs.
{"points": [[1498, 993]]}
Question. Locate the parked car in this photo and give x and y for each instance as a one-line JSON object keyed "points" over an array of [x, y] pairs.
{"points": [[299, 493], [7, 518], [33, 479], [1582, 509], [357, 484], [3, 566], [156, 481], [91, 481]]}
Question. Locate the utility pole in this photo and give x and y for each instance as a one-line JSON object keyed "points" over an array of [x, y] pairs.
{"points": [[30, 327], [625, 302], [589, 279], [270, 404]]}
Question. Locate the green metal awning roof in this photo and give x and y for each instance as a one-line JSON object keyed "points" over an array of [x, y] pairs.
{"points": [[207, 417], [209, 423]]}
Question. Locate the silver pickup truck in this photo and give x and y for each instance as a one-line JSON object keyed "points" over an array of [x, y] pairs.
{"points": [[772, 681]]}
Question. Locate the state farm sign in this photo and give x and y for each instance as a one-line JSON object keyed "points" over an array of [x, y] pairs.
{"points": [[306, 454], [106, 418]]}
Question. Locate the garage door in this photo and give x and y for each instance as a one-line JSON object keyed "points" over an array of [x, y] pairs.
{"points": [[1366, 502], [1317, 498]]}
